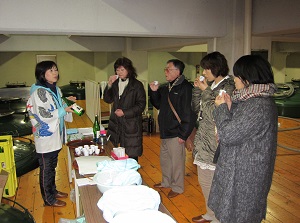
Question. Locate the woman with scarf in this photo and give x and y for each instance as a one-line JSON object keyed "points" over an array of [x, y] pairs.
{"points": [[247, 130]]}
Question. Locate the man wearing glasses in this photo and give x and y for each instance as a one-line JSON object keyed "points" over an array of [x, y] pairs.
{"points": [[175, 124]]}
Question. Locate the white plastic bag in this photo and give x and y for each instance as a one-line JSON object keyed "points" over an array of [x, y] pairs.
{"points": [[80, 219]]}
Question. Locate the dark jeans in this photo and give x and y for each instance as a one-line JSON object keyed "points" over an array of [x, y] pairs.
{"points": [[47, 178]]}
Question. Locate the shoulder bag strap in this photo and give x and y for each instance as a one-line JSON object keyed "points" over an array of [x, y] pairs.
{"points": [[173, 109]]}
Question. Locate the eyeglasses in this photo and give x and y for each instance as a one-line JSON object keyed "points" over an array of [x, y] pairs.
{"points": [[169, 69]]}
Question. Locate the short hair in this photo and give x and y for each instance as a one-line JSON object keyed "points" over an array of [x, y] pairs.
{"points": [[217, 63], [253, 69], [178, 64], [41, 68], [127, 64]]}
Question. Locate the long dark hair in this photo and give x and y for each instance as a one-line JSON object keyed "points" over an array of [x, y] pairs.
{"points": [[41, 69], [127, 64]]}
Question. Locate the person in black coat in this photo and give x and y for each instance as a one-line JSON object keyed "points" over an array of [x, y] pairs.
{"points": [[173, 132], [129, 100]]}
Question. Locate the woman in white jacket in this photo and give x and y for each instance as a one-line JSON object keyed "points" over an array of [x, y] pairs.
{"points": [[47, 114]]}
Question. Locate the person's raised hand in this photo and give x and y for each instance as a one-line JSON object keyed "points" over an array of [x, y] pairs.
{"points": [[154, 85], [112, 79], [201, 84]]}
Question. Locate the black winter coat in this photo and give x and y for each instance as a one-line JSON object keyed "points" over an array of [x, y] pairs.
{"points": [[127, 130], [181, 97]]}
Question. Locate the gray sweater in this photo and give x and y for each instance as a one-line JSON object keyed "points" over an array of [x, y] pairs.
{"points": [[243, 175]]}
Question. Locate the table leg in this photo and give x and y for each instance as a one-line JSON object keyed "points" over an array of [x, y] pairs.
{"points": [[78, 205], [69, 165]]}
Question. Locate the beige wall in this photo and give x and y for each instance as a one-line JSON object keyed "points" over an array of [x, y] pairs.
{"points": [[73, 66], [157, 62], [292, 67], [20, 67], [285, 66], [79, 66]]}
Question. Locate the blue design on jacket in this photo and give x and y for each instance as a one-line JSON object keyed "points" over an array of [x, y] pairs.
{"points": [[57, 100], [43, 130], [52, 108]]}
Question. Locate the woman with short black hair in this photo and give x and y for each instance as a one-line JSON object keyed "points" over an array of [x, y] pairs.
{"points": [[216, 78], [247, 130], [47, 113]]}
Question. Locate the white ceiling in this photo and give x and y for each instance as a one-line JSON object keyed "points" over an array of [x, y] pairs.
{"points": [[151, 25]]}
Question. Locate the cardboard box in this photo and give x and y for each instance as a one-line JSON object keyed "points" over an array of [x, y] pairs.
{"points": [[3, 180]]}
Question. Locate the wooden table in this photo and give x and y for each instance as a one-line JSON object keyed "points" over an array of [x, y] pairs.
{"points": [[87, 196]]}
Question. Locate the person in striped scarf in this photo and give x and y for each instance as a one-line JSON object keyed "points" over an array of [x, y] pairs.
{"points": [[247, 130]]}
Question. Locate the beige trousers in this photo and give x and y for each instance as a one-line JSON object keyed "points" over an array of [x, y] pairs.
{"points": [[172, 163], [205, 177]]}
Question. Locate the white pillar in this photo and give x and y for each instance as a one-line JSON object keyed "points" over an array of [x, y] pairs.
{"points": [[247, 27]]}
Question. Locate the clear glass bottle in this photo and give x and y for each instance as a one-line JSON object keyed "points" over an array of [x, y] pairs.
{"points": [[102, 140], [96, 129], [76, 108]]}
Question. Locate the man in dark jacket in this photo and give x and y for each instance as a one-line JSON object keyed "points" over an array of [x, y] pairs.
{"points": [[129, 100], [173, 130]]}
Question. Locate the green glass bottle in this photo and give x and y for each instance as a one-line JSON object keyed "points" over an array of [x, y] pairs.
{"points": [[96, 129], [76, 108]]}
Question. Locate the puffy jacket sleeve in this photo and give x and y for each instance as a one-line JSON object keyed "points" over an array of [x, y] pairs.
{"points": [[155, 98], [196, 98], [139, 102], [209, 95], [109, 93]]}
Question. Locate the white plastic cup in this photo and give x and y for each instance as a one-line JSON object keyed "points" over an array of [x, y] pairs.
{"points": [[122, 152], [155, 82], [201, 78], [85, 151], [78, 151], [97, 151], [92, 147], [221, 92]]}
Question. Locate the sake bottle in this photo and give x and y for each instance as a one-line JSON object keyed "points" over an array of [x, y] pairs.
{"points": [[150, 124], [96, 129], [102, 140], [76, 108]]}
